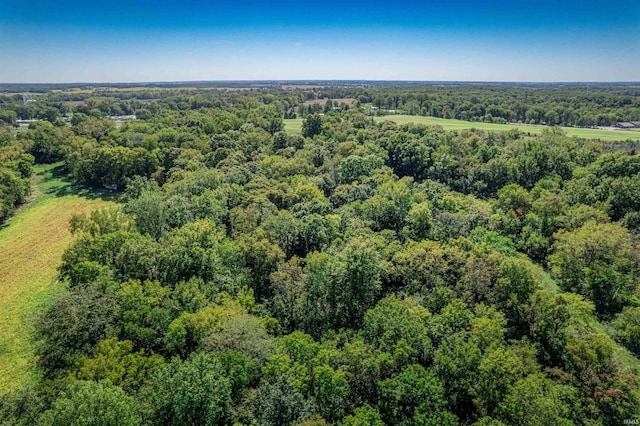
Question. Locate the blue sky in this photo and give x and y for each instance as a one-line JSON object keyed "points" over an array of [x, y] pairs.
{"points": [[490, 40]]}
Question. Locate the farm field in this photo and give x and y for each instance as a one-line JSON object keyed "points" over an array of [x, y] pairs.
{"points": [[31, 245], [451, 124], [295, 126]]}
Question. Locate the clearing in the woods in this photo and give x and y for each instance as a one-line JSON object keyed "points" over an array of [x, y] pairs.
{"points": [[31, 245]]}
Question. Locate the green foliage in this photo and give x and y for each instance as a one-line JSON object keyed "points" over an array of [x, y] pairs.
{"points": [[599, 262], [194, 391], [330, 391], [100, 222], [145, 312], [420, 220], [359, 273], [363, 416], [287, 303], [353, 167], [261, 258], [401, 328], [552, 319], [188, 331], [21, 407], [414, 396], [115, 361], [192, 251], [311, 126], [14, 190], [499, 368], [45, 141], [74, 325], [626, 329], [111, 166], [536, 400], [244, 334], [421, 267], [280, 403], [364, 366], [150, 212], [91, 403], [341, 287]]}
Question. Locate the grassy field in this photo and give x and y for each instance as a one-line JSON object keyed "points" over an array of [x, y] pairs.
{"points": [[295, 126], [31, 244]]}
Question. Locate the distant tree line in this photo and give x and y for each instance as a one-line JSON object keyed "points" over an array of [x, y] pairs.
{"points": [[571, 105]]}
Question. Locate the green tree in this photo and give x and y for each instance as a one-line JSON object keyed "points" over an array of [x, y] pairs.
{"points": [[456, 362], [101, 221], [14, 190], [73, 325], [514, 200], [330, 391], [280, 403], [364, 366], [499, 368], [21, 407], [93, 404], [287, 303], [194, 392], [150, 213], [599, 262], [116, 361], [243, 334], [192, 251], [363, 416], [420, 220], [261, 257], [626, 329], [145, 312], [340, 288], [536, 400], [311, 125], [400, 327], [413, 397]]}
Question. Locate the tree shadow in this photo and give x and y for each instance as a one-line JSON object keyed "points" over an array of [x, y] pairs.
{"points": [[68, 187], [58, 183]]}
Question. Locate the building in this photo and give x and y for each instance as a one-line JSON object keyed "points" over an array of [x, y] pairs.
{"points": [[123, 117], [625, 125]]}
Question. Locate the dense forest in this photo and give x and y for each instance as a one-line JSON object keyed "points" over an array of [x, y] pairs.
{"points": [[354, 274]]}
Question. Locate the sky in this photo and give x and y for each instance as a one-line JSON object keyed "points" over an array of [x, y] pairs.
{"points": [[160, 40]]}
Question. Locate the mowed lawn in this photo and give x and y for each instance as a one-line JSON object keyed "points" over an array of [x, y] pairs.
{"points": [[31, 245], [295, 126], [450, 124]]}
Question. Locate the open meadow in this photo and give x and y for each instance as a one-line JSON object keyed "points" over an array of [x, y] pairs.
{"points": [[295, 126], [31, 245]]}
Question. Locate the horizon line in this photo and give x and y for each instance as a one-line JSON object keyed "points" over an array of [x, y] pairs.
{"points": [[317, 80]]}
